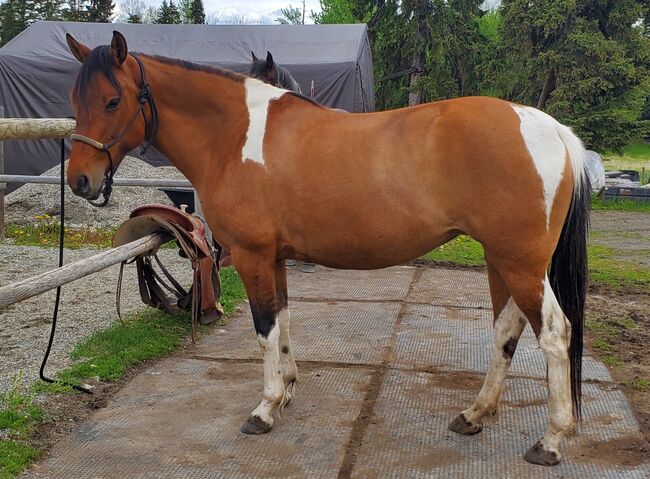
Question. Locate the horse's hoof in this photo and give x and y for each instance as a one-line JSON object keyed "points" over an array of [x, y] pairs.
{"points": [[461, 425], [255, 425], [538, 455]]}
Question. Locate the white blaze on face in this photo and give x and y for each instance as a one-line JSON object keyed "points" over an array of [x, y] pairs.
{"points": [[540, 133], [259, 95]]}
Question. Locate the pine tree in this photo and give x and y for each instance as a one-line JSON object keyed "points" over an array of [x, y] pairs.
{"points": [[584, 62], [100, 11], [16, 15], [197, 12], [185, 9], [168, 13]]}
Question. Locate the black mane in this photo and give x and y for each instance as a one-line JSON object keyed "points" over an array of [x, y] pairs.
{"points": [[100, 60]]}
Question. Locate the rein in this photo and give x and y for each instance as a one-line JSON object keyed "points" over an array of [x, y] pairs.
{"points": [[144, 97]]}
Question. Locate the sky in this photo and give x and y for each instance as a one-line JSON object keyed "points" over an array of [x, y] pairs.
{"points": [[264, 11]]}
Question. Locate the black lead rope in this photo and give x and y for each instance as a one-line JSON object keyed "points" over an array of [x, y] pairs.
{"points": [[58, 290]]}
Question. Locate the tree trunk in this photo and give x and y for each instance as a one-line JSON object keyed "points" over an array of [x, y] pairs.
{"points": [[415, 93], [549, 86]]}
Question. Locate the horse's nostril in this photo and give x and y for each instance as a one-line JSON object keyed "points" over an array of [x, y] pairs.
{"points": [[82, 184]]}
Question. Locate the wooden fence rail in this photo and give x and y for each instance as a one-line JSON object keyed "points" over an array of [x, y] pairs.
{"points": [[35, 128], [41, 283]]}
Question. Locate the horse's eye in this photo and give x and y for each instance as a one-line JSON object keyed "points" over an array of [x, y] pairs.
{"points": [[112, 104]]}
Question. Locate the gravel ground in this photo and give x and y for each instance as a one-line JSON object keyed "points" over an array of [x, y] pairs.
{"points": [[31, 200], [87, 305]]}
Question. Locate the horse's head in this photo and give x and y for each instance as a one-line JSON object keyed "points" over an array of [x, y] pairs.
{"points": [[264, 69], [108, 100]]}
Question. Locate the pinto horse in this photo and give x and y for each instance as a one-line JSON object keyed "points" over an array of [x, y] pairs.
{"points": [[359, 191]]}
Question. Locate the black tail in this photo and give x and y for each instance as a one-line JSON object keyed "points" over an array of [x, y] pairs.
{"points": [[568, 276]]}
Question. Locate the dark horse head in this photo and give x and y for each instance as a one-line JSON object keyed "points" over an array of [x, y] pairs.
{"points": [[270, 72]]}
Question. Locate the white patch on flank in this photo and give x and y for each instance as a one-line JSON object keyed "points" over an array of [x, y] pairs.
{"points": [[258, 97], [545, 147]]}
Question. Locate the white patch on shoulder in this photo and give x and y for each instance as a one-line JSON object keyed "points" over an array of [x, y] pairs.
{"points": [[258, 97], [545, 147]]}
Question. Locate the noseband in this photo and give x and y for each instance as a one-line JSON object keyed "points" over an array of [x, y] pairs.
{"points": [[144, 96]]}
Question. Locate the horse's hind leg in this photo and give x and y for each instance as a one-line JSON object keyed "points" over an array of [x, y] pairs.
{"points": [[287, 363], [533, 294], [554, 334], [509, 323]]}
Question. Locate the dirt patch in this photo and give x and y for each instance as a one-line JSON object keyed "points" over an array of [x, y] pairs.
{"points": [[628, 451], [524, 404], [627, 315]]}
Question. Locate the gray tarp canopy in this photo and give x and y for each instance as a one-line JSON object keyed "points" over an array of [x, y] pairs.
{"points": [[37, 69]]}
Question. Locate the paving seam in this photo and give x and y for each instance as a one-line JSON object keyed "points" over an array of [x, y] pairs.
{"points": [[367, 410], [305, 299]]}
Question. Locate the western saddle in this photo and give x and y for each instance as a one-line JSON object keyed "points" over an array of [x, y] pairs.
{"points": [[190, 233]]}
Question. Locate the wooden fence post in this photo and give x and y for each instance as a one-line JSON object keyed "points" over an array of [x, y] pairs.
{"points": [[2, 185]]}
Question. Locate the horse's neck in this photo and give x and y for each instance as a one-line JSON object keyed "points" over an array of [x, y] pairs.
{"points": [[199, 115]]}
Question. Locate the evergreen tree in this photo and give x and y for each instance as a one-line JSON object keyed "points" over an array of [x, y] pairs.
{"points": [[76, 11], [185, 9], [197, 12], [335, 11], [168, 13], [100, 11], [15, 16], [584, 62]]}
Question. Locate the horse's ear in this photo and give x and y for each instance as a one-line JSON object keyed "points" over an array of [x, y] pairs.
{"points": [[269, 59], [119, 49], [254, 57], [79, 50]]}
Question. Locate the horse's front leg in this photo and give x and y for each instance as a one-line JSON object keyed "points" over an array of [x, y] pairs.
{"points": [[257, 272], [287, 363]]}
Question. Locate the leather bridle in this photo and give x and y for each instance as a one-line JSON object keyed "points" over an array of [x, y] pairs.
{"points": [[144, 96]]}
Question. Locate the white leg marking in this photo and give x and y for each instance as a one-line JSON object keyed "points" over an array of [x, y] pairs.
{"points": [[540, 133], [507, 330], [273, 396], [554, 340], [287, 363], [258, 97]]}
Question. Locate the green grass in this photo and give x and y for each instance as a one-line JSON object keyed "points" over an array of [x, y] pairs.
{"points": [[640, 384], [620, 205], [18, 413], [462, 250], [607, 266], [15, 456], [45, 233], [636, 156], [106, 355]]}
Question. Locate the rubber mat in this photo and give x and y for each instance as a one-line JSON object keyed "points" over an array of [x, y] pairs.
{"points": [[334, 331], [409, 438], [452, 287], [463, 339], [390, 284], [181, 419]]}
